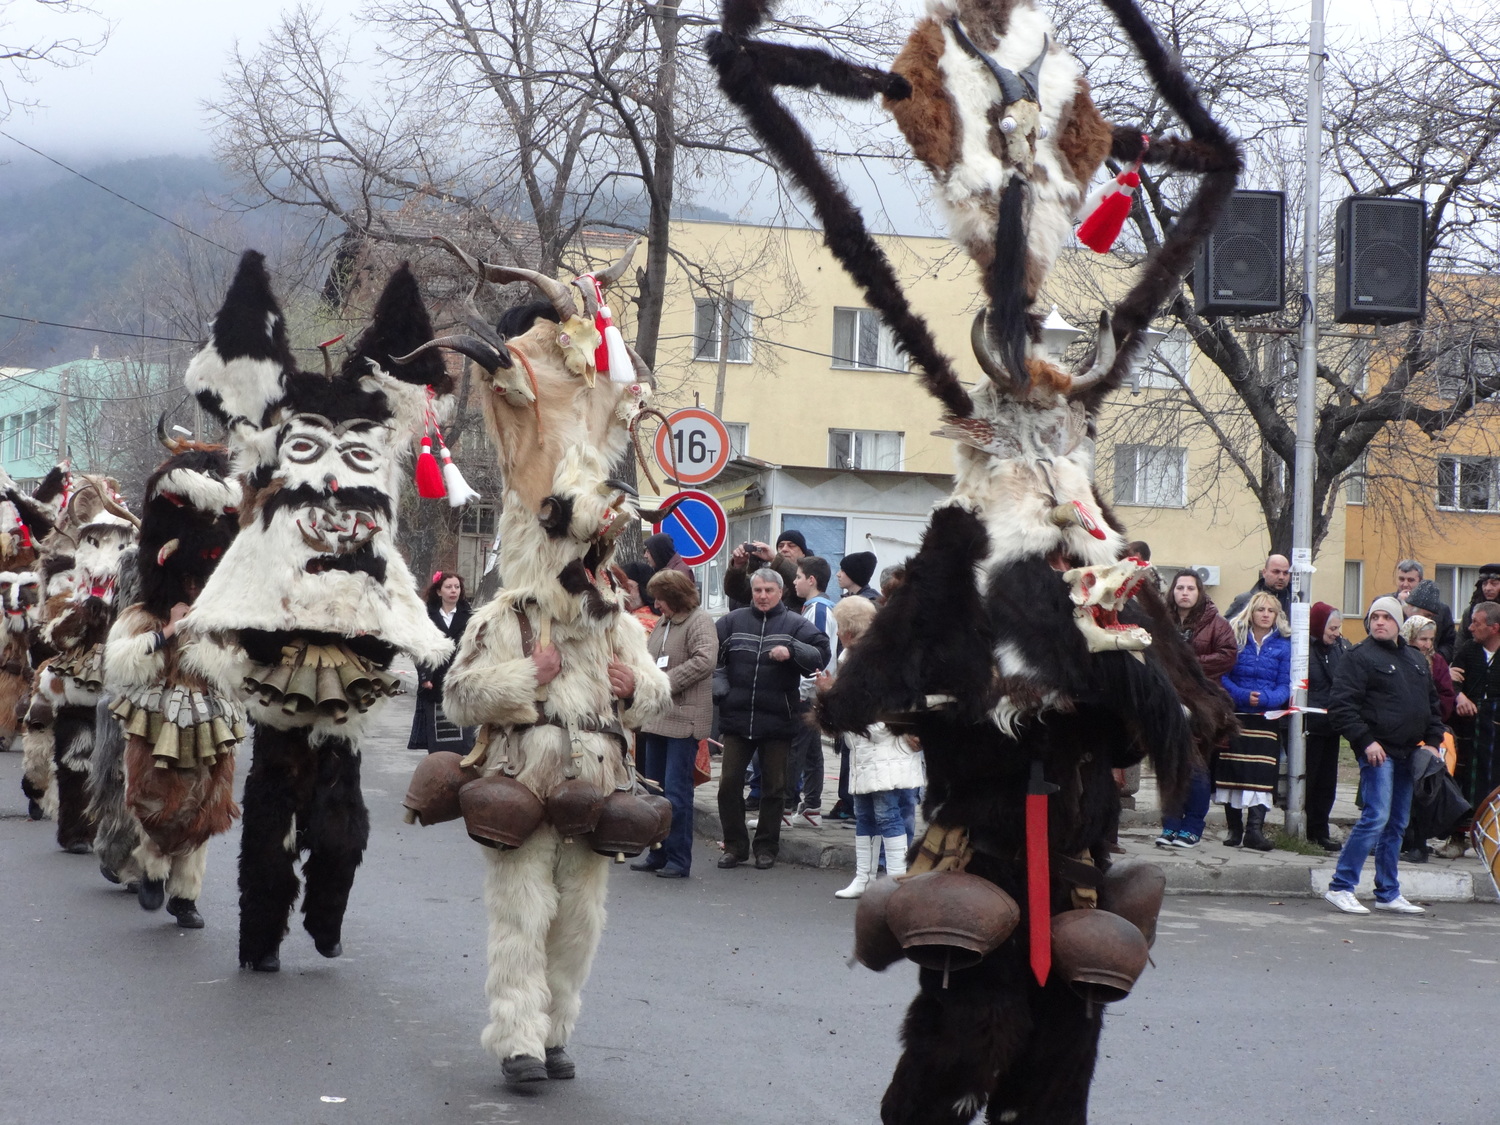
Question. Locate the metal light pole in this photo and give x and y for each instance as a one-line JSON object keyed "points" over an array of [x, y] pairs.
{"points": [[1302, 479]]}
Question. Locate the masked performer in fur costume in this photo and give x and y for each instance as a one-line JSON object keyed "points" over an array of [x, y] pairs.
{"points": [[77, 614], [312, 601], [180, 733], [1003, 651], [553, 668]]}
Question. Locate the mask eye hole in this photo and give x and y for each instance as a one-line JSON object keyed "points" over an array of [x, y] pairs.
{"points": [[303, 449], [360, 458]]}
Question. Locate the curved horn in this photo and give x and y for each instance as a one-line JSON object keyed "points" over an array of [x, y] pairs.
{"points": [[1104, 359], [1012, 88], [169, 442], [115, 509], [656, 515], [554, 290], [608, 277], [643, 373], [991, 364], [471, 346]]}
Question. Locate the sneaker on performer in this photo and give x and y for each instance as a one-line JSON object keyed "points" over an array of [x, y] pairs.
{"points": [[1345, 901], [1399, 905]]}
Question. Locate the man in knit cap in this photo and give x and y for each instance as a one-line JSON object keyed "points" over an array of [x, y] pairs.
{"points": [[1420, 594], [1385, 703], [790, 546], [855, 572]]}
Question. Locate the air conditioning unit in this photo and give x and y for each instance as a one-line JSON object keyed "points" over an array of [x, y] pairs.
{"points": [[1208, 575]]}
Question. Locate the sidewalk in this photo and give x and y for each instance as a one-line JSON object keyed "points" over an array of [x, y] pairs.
{"points": [[1208, 869]]}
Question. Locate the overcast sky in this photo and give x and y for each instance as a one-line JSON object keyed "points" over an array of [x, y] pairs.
{"points": [[143, 94]]}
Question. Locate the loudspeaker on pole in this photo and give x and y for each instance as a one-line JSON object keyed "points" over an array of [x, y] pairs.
{"points": [[1241, 269], [1380, 264]]}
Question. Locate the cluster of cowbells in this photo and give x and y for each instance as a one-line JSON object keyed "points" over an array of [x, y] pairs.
{"points": [[500, 812], [951, 920]]}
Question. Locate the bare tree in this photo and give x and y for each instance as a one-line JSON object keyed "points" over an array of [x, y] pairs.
{"points": [[1414, 116], [31, 37]]}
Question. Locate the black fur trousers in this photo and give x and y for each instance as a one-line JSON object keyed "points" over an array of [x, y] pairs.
{"points": [[308, 797], [73, 734], [994, 1039]]}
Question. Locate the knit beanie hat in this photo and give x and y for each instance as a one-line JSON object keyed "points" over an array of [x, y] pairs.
{"points": [[795, 539], [1490, 570], [1425, 598], [1318, 619], [859, 567], [1389, 605]]}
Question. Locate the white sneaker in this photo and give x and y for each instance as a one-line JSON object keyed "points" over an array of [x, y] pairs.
{"points": [[752, 823], [1399, 905], [1345, 901], [811, 818]]}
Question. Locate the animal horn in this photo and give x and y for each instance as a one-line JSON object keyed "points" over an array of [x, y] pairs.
{"points": [[115, 509], [171, 444], [471, 346], [1013, 88], [656, 515], [168, 549], [1104, 359], [1032, 75], [608, 277], [992, 365], [554, 290]]}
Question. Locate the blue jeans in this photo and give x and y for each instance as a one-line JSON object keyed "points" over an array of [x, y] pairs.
{"points": [[1194, 807], [1387, 792], [669, 763], [880, 814]]}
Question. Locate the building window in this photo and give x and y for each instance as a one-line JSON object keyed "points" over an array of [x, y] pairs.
{"points": [[825, 535], [865, 449], [12, 437], [739, 438], [46, 431], [26, 446], [1354, 480], [1153, 476], [861, 341], [1354, 589], [708, 314], [1456, 584], [1467, 484], [479, 519], [1166, 368]]}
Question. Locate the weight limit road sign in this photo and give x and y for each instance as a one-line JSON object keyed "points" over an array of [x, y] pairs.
{"points": [[697, 525], [699, 446]]}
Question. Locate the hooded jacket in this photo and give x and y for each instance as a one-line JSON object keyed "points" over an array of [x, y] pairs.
{"points": [[763, 699], [1383, 692], [1211, 637], [1264, 668]]}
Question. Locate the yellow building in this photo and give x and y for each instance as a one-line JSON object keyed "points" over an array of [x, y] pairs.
{"points": [[812, 381]]}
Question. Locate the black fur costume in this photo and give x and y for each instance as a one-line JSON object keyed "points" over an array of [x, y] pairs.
{"points": [[314, 582], [990, 673]]}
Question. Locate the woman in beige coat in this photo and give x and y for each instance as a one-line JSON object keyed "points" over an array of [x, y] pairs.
{"points": [[685, 645]]}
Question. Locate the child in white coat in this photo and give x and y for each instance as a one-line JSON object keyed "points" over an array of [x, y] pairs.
{"points": [[881, 767]]}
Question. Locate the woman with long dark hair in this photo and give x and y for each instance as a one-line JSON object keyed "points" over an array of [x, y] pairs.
{"points": [[450, 611]]}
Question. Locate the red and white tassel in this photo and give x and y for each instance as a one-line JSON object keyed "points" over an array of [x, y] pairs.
{"points": [[459, 492], [1107, 209], [610, 357], [429, 476]]}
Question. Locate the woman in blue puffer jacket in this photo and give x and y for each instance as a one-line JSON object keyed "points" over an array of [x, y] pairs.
{"points": [[1260, 681]]}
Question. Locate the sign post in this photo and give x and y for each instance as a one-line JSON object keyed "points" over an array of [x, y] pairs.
{"points": [[698, 526], [693, 447]]}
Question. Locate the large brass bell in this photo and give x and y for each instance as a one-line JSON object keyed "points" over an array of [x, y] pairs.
{"points": [[875, 947], [432, 796], [1135, 891], [629, 824], [500, 812], [573, 807], [950, 919], [1099, 953]]}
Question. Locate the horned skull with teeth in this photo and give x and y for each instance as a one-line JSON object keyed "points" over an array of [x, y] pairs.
{"points": [[1099, 593]]}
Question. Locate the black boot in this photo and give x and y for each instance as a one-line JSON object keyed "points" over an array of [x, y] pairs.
{"points": [[1255, 836], [1236, 821], [151, 893], [185, 910]]}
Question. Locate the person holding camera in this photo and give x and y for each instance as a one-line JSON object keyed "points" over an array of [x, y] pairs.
{"points": [[752, 555]]}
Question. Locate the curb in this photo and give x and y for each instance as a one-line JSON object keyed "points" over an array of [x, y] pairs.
{"points": [[807, 847]]}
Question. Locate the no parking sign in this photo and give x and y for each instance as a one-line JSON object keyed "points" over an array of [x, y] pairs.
{"points": [[697, 525]]}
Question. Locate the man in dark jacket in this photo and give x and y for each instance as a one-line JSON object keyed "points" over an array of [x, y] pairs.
{"points": [[764, 651], [1477, 713], [1275, 578], [1386, 704]]}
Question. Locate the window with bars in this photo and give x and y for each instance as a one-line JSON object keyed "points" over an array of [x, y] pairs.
{"points": [[865, 449], [1467, 484], [1456, 583], [861, 341], [1153, 476], [709, 318]]}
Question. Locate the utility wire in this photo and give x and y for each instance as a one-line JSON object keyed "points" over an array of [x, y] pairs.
{"points": [[102, 331]]}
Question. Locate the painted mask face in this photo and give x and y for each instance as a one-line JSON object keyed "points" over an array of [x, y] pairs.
{"points": [[18, 595]]}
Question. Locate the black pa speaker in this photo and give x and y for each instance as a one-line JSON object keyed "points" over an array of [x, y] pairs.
{"points": [[1240, 268], [1380, 271]]}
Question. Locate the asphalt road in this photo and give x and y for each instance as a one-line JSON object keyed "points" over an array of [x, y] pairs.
{"points": [[721, 999]]}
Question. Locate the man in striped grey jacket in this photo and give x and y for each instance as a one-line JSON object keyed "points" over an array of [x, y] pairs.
{"points": [[764, 651]]}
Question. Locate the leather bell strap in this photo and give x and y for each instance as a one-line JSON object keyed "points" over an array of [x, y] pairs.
{"points": [[1038, 875]]}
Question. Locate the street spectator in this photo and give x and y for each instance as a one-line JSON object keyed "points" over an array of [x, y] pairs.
{"points": [[635, 577], [805, 771], [1476, 710], [1421, 633], [883, 768], [449, 610], [1275, 578], [686, 647], [764, 651], [890, 578], [1486, 589], [1326, 651], [783, 560], [855, 572], [662, 554], [1260, 681], [1385, 703], [1424, 597], [1212, 642]]}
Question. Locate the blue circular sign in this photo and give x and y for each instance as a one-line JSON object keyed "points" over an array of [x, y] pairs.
{"points": [[697, 525]]}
